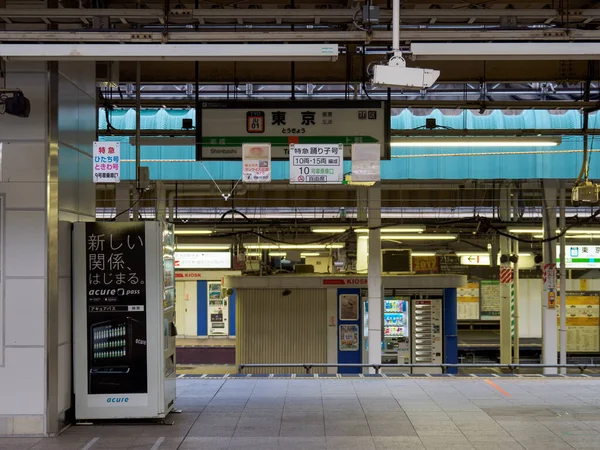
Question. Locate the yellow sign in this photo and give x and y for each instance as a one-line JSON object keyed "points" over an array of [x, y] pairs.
{"points": [[583, 285], [551, 300]]}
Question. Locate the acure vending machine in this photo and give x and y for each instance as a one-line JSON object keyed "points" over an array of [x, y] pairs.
{"points": [[123, 320]]}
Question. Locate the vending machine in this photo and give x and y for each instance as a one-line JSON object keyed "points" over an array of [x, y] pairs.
{"points": [[123, 320], [396, 327], [412, 331], [218, 310]]}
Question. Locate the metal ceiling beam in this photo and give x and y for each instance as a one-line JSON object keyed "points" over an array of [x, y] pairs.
{"points": [[399, 133], [400, 104], [280, 15], [381, 37]]}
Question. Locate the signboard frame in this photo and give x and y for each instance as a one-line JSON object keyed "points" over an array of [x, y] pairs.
{"points": [[380, 107]]}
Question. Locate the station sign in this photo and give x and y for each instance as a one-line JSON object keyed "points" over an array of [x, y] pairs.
{"points": [[107, 162], [316, 164], [227, 125], [580, 256]]}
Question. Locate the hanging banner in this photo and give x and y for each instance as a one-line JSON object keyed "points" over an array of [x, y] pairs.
{"points": [[227, 125], [316, 164], [256, 163], [366, 162], [116, 308], [107, 162]]}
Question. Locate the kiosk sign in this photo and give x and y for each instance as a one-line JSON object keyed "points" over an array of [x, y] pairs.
{"points": [[316, 163]]}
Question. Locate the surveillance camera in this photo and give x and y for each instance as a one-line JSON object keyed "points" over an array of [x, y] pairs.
{"points": [[15, 103], [396, 74]]}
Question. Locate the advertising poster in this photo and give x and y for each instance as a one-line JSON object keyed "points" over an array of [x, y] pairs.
{"points": [[349, 338], [348, 307], [116, 308], [256, 163]]}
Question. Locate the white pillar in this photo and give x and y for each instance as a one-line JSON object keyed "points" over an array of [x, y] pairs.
{"points": [[374, 278], [563, 284], [505, 285], [549, 334], [362, 254]]}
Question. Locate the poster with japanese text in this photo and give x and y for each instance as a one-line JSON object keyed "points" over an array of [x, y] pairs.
{"points": [[116, 308], [256, 163], [107, 162]]}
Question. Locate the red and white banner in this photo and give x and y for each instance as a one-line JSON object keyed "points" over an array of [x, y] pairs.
{"points": [[506, 275], [549, 276]]}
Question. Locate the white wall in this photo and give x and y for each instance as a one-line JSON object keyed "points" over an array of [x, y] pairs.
{"points": [[530, 304], [24, 381], [22, 357]]}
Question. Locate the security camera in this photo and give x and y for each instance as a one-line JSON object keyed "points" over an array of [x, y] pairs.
{"points": [[14, 102], [396, 74]]}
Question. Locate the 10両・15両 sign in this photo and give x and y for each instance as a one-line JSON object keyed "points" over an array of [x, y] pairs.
{"points": [[316, 163]]}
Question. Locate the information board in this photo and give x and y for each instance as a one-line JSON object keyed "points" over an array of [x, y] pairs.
{"points": [[583, 321], [468, 301], [226, 125], [489, 293], [107, 162], [316, 164]]}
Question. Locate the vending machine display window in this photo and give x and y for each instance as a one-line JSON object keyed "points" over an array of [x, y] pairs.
{"points": [[395, 321]]}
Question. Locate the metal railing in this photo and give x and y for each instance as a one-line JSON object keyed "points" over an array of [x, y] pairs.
{"points": [[444, 367]]}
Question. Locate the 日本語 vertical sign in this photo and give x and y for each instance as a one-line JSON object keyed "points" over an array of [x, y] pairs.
{"points": [[107, 162], [116, 308], [256, 163], [316, 164]]}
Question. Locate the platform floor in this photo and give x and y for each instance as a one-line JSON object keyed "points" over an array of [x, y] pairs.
{"points": [[395, 414]]}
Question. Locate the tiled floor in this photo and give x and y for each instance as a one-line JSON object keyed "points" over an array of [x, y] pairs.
{"points": [[394, 414]]}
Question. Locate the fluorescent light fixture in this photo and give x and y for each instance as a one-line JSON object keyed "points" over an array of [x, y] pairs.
{"points": [[304, 255], [328, 229], [169, 52], [284, 254], [397, 229], [583, 231], [292, 246], [253, 254], [504, 51], [525, 230], [203, 247], [483, 254], [191, 232], [423, 254], [498, 141], [415, 237], [583, 236]]}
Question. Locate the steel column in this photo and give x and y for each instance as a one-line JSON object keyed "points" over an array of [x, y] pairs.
{"points": [[374, 275], [549, 335]]}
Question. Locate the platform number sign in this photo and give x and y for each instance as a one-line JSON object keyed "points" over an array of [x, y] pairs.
{"points": [[255, 122]]}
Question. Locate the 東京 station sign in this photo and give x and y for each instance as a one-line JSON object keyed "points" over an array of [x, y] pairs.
{"points": [[227, 125]]}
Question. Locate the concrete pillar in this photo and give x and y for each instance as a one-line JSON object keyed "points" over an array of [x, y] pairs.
{"points": [[374, 278], [549, 334]]}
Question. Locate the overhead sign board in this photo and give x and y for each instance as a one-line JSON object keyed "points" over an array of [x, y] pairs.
{"points": [[202, 260], [475, 260], [227, 125], [256, 163], [316, 164], [580, 256], [107, 162]]}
